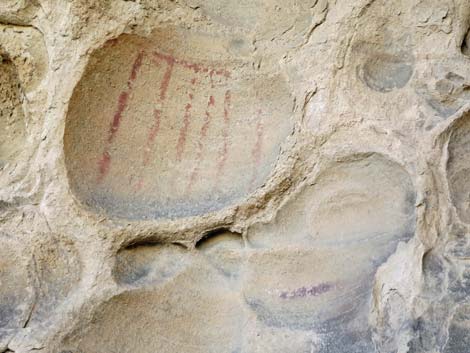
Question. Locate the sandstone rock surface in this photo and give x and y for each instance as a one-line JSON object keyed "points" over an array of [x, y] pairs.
{"points": [[253, 176]]}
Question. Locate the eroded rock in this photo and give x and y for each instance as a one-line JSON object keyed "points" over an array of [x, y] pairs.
{"points": [[58, 271], [318, 259], [190, 309], [16, 289], [243, 177], [149, 263], [458, 168], [12, 120]]}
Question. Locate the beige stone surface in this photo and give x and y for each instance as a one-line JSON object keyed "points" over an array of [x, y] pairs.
{"points": [[253, 176]]}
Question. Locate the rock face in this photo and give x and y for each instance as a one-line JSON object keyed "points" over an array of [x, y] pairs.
{"points": [[158, 129], [235, 176]]}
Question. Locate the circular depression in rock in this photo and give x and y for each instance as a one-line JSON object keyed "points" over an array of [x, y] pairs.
{"points": [[191, 311], [12, 125], [172, 125], [16, 292], [458, 167], [316, 263]]}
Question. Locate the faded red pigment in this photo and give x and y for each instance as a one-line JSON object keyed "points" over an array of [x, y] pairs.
{"points": [[104, 163], [224, 153], [152, 136], [200, 145], [171, 62], [184, 129]]}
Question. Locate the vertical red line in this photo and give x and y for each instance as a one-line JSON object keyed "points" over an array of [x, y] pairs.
{"points": [[152, 136], [164, 86], [224, 153], [153, 132], [171, 61], [202, 136], [104, 163], [184, 129], [116, 122], [166, 80]]}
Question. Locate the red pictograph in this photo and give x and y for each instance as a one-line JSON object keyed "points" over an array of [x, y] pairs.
{"points": [[104, 163], [198, 78]]}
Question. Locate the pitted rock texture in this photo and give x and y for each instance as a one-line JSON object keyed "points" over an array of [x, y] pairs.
{"points": [[12, 115], [258, 176]]}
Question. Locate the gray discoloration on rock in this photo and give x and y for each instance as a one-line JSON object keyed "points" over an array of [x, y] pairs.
{"points": [[16, 288], [385, 72], [149, 263], [459, 335], [58, 271]]}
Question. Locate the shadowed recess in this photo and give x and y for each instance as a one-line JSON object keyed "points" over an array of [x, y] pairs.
{"points": [[12, 124], [149, 263], [224, 251]]}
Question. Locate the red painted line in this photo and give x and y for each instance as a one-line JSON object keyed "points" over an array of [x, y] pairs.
{"points": [[189, 65], [104, 163], [152, 136], [184, 131], [186, 122], [148, 146], [136, 68], [202, 136], [224, 153], [170, 61], [122, 105]]}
